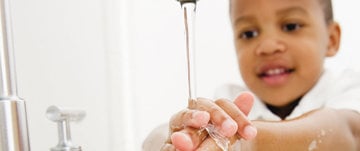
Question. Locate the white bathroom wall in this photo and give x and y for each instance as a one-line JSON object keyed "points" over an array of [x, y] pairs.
{"points": [[349, 54], [123, 61], [61, 60]]}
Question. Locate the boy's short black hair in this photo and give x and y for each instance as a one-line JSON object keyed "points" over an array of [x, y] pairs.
{"points": [[327, 8]]}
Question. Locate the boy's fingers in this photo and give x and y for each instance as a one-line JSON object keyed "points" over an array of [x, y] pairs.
{"points": [[184, 125], [188, 139], [210, 145], [239, 117], [244, 129], [244, 102], [189, 118], [219, 118]]}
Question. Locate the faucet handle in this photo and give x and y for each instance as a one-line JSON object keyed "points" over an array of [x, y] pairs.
{"points": [[57, 114], [63, 117]]}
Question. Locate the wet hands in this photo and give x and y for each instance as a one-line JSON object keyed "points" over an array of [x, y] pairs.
{"points": [[187, 131]]}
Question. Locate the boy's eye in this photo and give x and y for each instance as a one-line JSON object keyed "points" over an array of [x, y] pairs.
{"points": [[291, 27], [248, 34]]}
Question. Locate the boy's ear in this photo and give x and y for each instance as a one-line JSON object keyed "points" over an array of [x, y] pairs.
{"points": [[334, 39]]}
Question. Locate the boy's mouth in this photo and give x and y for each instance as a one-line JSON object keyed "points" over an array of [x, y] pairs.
{"points": [[275, 72], [275, 76]]}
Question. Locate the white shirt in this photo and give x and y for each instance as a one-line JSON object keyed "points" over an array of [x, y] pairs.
{"points": [[339, 90]]}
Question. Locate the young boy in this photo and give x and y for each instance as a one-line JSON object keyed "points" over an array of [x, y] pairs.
{"points": [[298, 105]]}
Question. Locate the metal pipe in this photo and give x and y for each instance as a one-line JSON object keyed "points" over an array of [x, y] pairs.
{"points": [[7, 81], [13, 120]]}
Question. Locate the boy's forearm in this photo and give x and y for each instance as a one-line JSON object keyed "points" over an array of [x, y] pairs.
{"points": [[325, 129]]}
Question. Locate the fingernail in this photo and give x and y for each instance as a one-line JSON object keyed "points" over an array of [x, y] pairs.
{"points": [[228, 128], [202, 117], [250, 132], [182, 141]]}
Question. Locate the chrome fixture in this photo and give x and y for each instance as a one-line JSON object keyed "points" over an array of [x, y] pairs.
{"points": [[13, 118], [63, 117]]}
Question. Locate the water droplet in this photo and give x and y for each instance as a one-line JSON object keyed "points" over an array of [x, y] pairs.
{"points": [[313, 145]]}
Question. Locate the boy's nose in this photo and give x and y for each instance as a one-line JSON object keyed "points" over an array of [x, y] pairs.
{"points": [[270, 47]]}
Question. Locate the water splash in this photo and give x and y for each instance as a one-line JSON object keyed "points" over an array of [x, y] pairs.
{"points": [[313, 145], [220, 140]]}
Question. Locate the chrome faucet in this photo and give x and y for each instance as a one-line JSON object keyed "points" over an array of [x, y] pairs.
{"points": [[63, 117], [187, 1], [13, 117], [13, 120]]}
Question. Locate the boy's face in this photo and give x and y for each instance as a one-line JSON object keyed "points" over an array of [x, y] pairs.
{"points": [[281, 46]]}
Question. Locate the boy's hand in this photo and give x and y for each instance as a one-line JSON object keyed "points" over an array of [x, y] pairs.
{"points": [[229, 119]]}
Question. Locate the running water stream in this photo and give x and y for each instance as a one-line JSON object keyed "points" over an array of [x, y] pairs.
{"points": [[189, 10]]}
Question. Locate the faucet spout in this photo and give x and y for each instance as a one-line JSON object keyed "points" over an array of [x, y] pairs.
{"points": [[13, 120], [187, 1]]}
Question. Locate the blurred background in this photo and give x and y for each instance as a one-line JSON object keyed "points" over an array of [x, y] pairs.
{"points": [[123, 62]]}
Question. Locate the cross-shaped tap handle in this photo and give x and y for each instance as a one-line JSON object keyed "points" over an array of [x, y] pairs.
{"points": [[63, 117]]}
